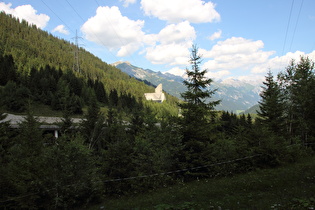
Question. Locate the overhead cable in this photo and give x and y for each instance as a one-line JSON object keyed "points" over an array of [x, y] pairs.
{"points": [[57, 16], [286, 33], [297, 20], [143, 176]]}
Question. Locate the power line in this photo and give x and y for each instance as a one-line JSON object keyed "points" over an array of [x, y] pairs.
{"points": [[286, 33], [75, 10], [100, 41], [70, 27], [91, 30], [183, 170], [144, 176], [76, 63], [297, 20], [121, 41], [57, 16]]}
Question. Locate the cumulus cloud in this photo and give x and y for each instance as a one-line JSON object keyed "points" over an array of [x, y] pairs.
{"points": [[127, 2], [177, 33], [253, 79], [235, 45], [26, 12], [171, 45], [217, 74], [172, 33], [236, 53], [215, 35], [110, 28], [258, 71], [277, 63], [174, 11], [177, 72], [61, 29], [173, 54], [239, 55]]}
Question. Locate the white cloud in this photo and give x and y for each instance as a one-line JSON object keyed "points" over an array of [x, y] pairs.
{"points": [[218, 74], [216, 35], [177, 33], [245, 60], [173, 54], [26, 12], [236, 53], [150, 39], [127, 49], [173, 33], [61, 29], [235, 45], [171, 45], [174, 11], [253, 79], [108, 27], [213, 75], [278, 64], [177, 72], [127, 2]]}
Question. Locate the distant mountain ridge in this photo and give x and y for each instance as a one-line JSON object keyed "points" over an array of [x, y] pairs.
{"points": [[235, 94]]}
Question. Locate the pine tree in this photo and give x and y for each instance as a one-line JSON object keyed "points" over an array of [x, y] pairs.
{"points": [[92, 125], [298, 83], [249, 120], [7, 69], [113, 98], [100, 92], [271, 105], [26, 163], [197, 111]]}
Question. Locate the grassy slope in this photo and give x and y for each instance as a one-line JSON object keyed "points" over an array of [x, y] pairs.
{"points": [[289, 187]]}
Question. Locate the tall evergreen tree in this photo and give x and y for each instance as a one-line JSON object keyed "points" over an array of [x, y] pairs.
{"points": [[197, 110], [92, 125], [7, 69], [298, 82], [113, 98], [271, 105], [100, 92]]}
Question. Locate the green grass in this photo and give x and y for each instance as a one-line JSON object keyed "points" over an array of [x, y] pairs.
{"points": [[287, 187]]}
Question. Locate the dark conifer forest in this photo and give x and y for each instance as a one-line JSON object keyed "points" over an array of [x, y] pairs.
{"points": [[124, 144]]}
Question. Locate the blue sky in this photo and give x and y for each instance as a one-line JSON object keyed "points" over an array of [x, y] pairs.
{"points": [[240, 39]]}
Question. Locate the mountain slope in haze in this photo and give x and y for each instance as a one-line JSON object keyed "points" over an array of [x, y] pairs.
{"points": [[252, 110], [235, 94], [171, 84]]}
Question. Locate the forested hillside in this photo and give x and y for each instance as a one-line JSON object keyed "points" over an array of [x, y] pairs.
{"points": [[37, 62]]}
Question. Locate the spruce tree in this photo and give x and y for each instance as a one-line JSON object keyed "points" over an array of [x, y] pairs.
{"points": [[197, 111], [93, 124], [271, 112], [298, 83]]}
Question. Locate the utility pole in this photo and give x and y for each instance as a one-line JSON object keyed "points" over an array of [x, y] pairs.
{"points": [[76, 63]]}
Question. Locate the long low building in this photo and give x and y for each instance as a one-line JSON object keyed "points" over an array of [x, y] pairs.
{"points": [[50, 124]]}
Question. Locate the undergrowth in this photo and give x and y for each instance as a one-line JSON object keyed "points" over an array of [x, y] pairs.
{"points": [[287, 187]]}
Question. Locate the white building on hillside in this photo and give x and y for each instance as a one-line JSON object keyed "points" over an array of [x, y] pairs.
{"points": [[157, 96]]}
